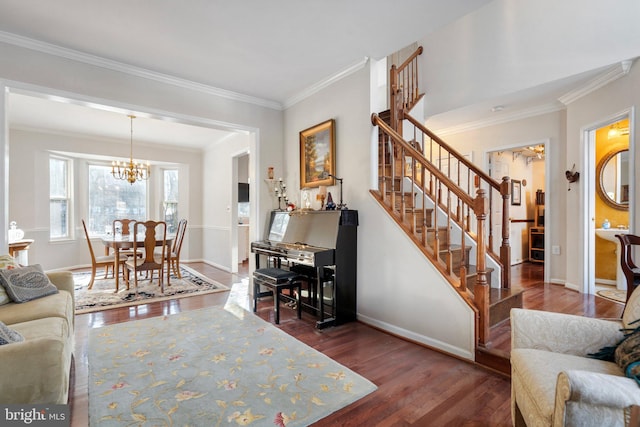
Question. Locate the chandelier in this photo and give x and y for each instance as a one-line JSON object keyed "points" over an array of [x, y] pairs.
{"points": [[130, 171]]}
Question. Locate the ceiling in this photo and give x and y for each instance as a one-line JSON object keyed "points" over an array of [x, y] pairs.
{"points": [[268, 51]]}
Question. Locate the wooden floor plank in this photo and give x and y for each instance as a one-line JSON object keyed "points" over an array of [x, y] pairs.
{"points": [[417, 386]]}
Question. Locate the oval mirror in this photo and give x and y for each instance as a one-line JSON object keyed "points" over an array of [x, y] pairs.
{"points": [[613, 179]]}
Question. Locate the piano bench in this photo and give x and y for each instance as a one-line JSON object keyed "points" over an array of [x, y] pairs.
{"points": [[277, 279]]}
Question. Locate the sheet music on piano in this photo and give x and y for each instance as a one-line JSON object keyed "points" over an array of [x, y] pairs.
{"points": [[323, 244]]}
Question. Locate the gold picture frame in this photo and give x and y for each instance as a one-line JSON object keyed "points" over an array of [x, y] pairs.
{"points": [[318, 155]]}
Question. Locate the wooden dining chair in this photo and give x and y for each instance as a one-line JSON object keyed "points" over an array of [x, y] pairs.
{"points": [[173, 256], [125, 226], [146, 236], [629, 268], [105, 261]]}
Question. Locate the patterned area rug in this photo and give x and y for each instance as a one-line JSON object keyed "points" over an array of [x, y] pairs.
{"points": [[213, 366], [614, 295], [102, 295]]}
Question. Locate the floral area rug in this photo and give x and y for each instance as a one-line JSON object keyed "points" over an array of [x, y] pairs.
{"points": [[102, 295], [615, 295], [211, 367]]}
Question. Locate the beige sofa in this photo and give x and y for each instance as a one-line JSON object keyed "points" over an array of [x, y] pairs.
{"points": [[37, 369], [554, 383]]}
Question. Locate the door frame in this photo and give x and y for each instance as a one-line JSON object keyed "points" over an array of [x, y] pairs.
{"points": [[588, 192], [547, 185]]}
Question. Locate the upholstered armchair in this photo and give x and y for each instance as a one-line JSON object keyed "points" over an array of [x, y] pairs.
{"points": [[554, 383]]}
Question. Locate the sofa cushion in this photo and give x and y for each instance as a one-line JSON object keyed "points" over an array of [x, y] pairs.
{"points": [[534, 376], [8, 335], [627, 355], [40, 364], [26, 283], [7, 262], [56, 305]]}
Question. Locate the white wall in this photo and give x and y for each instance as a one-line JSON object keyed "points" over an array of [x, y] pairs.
{"points": [[605, 103], [509, 45], [398, 289], [29, 70], [547, 127], [219, 206], [29, 153]]}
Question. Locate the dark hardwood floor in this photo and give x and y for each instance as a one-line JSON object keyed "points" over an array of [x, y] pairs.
{"points": [[417, 386]]}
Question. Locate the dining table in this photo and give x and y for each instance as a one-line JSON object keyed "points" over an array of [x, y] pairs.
{"points": [[127, 241]]}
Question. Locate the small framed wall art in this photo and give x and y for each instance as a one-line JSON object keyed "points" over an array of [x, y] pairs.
{"points": [[516, 192]]}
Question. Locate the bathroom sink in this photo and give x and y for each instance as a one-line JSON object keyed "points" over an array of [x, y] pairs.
{"points": [[610, 233]]}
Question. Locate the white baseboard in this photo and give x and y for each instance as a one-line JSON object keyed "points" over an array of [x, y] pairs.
{"points": [[427, 341]]}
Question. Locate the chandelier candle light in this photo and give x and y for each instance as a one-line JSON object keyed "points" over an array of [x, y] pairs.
{"points": [[131, 172]]}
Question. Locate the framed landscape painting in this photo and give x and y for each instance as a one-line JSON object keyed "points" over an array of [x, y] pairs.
{"points": [[318, 155]]}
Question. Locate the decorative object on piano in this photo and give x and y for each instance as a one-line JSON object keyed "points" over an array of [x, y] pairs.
{"points": [[281, 194], [331, 206], [14, 234], [317, 155], [341, 205], [322, 195], [306, 201]]}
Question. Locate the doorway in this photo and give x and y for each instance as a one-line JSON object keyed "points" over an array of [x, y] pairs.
{"points": [[241, 213], [609, 186], [526, 166]]}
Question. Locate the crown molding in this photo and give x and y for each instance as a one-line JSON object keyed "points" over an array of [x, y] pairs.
{"points": [[317, 87], [503, 118], [97, 61], [603, 79]]}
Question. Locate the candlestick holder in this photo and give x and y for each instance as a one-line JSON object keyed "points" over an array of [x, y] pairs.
{"points": [[281, 194]]}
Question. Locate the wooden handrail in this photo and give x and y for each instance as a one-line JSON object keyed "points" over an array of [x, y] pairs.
{"points": [[479, 172], [503, 188], [403, 88], [459, 192], [410, 59]]}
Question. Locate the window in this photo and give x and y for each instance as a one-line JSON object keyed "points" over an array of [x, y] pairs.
{"points": [[111, 198], [59, 198], [170, 199]]}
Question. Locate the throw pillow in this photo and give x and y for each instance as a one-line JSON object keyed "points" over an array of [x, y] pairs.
{"points": [[627, 355], [26, 283], [632, 308], [8, 335], [7, 262]]}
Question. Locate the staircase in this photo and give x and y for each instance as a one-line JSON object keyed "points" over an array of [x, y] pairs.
{"points": [[445, 205]]}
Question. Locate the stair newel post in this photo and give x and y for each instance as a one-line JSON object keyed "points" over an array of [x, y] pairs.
{"points": [[505, 247], [481, 288], [393, 86]]}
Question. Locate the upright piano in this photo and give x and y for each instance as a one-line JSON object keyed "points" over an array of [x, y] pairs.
{"points": [[323, 246]]}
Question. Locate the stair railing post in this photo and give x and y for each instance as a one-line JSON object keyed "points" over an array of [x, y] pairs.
{"points": [[505, 247], [481, 288], [393, 89]]}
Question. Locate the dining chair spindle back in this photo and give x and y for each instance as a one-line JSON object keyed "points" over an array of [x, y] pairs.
{"points": [[146, 236]]}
